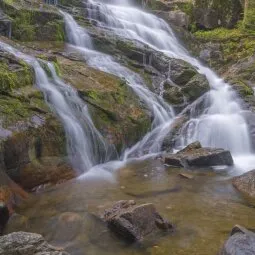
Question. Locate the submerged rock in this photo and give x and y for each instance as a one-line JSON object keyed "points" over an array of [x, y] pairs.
{"points": [[134, 222], [196, 156], [24, 243], [241, 242], [245, 183]]}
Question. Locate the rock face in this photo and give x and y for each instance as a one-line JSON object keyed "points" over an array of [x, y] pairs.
{"points": [[134, 222], [212, 13], [245, 183], [196, 156], [241, 242], [25, 244]]}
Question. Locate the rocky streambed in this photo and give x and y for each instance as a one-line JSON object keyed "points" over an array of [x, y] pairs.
{"points": [[202, 205]]}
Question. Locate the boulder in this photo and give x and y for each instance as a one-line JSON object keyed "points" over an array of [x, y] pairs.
{"points": [[24, 243], [245, 183], [241, 242], [176, 17], [135, 222], [196, 156], [210, 14]]}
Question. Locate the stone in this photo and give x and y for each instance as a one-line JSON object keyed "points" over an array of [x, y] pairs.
{"points": [[196, 156], [186, 176], [135, 222], [212, 13], [24, 243], [240, 242], [245, 183], [176, 17]]}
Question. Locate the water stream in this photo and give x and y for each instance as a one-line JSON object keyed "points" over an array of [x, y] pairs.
{"points": [[86, 146], [161, 111], [221, 124]]}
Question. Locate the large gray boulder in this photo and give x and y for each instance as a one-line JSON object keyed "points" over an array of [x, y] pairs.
{"points": [[24, 243], [245, 183], [196, 156], [240, 242], [135, 222]]}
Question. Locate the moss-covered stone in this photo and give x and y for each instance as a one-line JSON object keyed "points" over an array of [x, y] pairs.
{"points": [[31, 24], [210, 14], [14, 74]]}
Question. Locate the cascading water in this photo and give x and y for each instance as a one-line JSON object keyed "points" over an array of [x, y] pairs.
{"points": [[162, 112], [221, 124], [86, 146]]}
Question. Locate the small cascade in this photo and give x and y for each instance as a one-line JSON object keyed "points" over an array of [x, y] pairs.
{"points": [[161, 111], [221, 123], [86, 146]]}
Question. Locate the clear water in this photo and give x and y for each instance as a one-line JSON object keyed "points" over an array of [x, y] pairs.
{"points": [[203, 209]]}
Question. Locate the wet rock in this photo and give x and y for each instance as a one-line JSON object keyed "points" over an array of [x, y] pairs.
{"points": [[245, 183], [186, 176], [134, 222], [24, 243], [196, 156], [241, 242], [171, 139]]}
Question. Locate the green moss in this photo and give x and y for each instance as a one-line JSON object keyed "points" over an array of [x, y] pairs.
{"points": [[57, 68], [186, 7], [234, 43], [243, 89], [249, 16], [220, 34], [17, 78]]}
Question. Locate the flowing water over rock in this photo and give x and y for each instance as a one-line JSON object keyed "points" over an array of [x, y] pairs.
{"points": [[86, 146], [161, 111], [221, 124]]}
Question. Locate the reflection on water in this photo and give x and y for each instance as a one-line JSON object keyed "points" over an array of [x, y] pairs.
{"points": [[204, 209]]}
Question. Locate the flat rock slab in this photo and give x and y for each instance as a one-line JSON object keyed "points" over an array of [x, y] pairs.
{"points": [[245, 183], [196, 156], [134, 222], [24, 243], [240, 242]]}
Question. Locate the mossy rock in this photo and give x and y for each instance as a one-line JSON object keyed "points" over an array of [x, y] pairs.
{"points": [[14, 74], [209, 14], [117, 112], [34, 24], [174, 96], [196, 87]]}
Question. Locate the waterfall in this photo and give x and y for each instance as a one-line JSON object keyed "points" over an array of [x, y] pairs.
{"points": [[161, 111], [221, 124], [86, 146]]}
